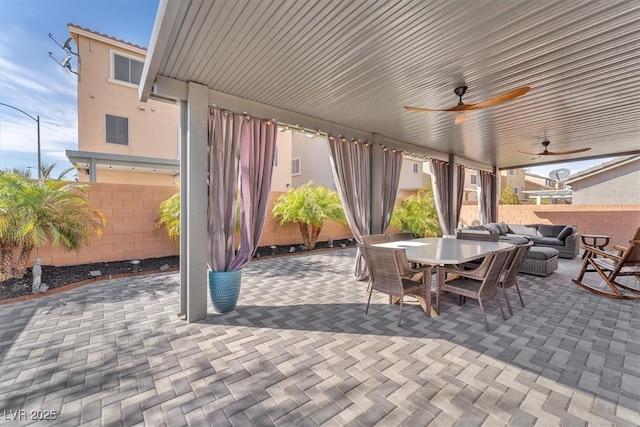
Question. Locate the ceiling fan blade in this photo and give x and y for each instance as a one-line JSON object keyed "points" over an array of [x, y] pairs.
{"points": [[455, 109], [500, 98], [560, 153], [531, 154]]}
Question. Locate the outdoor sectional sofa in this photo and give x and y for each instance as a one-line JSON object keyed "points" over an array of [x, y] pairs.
{"points": [[564, 238]]}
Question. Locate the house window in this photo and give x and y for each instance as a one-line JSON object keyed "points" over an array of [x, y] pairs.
{"points": [[474, 179], [275, 158], [295, 166], [117, 130], [126, 69], [416, 168], [515, 190], [512, 172]]}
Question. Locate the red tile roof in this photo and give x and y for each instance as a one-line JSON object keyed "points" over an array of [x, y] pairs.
{"points": [[105, 35]]}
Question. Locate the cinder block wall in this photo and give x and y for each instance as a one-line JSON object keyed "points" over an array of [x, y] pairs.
{"points": [[617, 221], [132, 211]]}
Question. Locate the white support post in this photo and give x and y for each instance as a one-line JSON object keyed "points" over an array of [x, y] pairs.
{"points": [[184, 202], [196, 178]]}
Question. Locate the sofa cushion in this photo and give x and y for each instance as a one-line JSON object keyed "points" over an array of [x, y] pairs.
{"points": [[493, 228], [504, 228], [548, 230], [524, 230], [475, 227], [514, 239], [541, 253], [566, 232], [542, 240]]}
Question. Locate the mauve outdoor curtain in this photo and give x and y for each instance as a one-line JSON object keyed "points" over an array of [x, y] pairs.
{"points": [[351, 166], [243, 148], [440, 184], [391, 166], [487, 191]]}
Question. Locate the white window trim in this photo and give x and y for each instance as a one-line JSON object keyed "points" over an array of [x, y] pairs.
{"points": [[299, 166], [112, 79]]}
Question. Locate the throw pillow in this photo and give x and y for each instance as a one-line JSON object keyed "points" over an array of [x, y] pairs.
{"points": [[566, 232], [504, 228], [492, 228]]}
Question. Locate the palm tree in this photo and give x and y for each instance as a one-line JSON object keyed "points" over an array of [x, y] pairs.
{"points": [[46, 171], [34, 213], [418, 214], [309, 207]]}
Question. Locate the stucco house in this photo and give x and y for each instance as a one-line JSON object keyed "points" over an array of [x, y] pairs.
{"points": [[120, 138], [613, 182]]}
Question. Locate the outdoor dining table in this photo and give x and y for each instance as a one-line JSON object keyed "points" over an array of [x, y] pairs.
{"points": [[443, 251]]}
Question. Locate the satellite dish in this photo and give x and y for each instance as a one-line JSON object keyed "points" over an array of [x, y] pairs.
{"points": [[559, 174]]}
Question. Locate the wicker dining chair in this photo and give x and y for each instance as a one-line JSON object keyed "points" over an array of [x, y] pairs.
{"points": [[401, 235], [386, 267], [373, 239], [478, 284], [510, 275]]}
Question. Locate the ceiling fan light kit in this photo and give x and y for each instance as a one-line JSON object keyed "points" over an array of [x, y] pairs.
{"points": [[460, 109]]}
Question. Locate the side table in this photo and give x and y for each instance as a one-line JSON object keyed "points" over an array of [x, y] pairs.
{"points": [[596, 240]]}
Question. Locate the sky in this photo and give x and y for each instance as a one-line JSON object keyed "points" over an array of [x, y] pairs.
{"points": [[34, 83]]}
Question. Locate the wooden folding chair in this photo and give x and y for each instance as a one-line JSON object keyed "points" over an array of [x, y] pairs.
{"points": [[612, 266]]}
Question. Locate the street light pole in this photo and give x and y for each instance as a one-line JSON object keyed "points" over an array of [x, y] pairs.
{"points": [[37, 120]]}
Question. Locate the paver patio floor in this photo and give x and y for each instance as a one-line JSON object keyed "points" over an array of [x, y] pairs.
{"points": [[299, 350]]}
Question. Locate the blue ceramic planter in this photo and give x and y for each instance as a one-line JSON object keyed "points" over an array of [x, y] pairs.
{"points": [[224, 289]]}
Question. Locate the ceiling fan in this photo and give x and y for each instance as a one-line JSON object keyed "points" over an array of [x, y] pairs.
{"points": [[546, 151], [461, 107]]}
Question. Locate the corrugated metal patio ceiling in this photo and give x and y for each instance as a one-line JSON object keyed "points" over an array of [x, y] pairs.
{"points": [[357, 63]]}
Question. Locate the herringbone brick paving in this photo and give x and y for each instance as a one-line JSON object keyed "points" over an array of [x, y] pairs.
{"points": [[299, 350]]}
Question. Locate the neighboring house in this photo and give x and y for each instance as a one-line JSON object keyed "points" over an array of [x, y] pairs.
{"points": [[120, 139], [516, 179], [537, 182], [310, 161], [539, 188], [471, 183], [613, 182], [123, 140], [413, 175]]}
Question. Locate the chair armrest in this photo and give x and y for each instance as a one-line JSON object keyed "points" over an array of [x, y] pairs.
{"points": [[619, 248], [415, 274], [477, 273], [601, 253]]}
